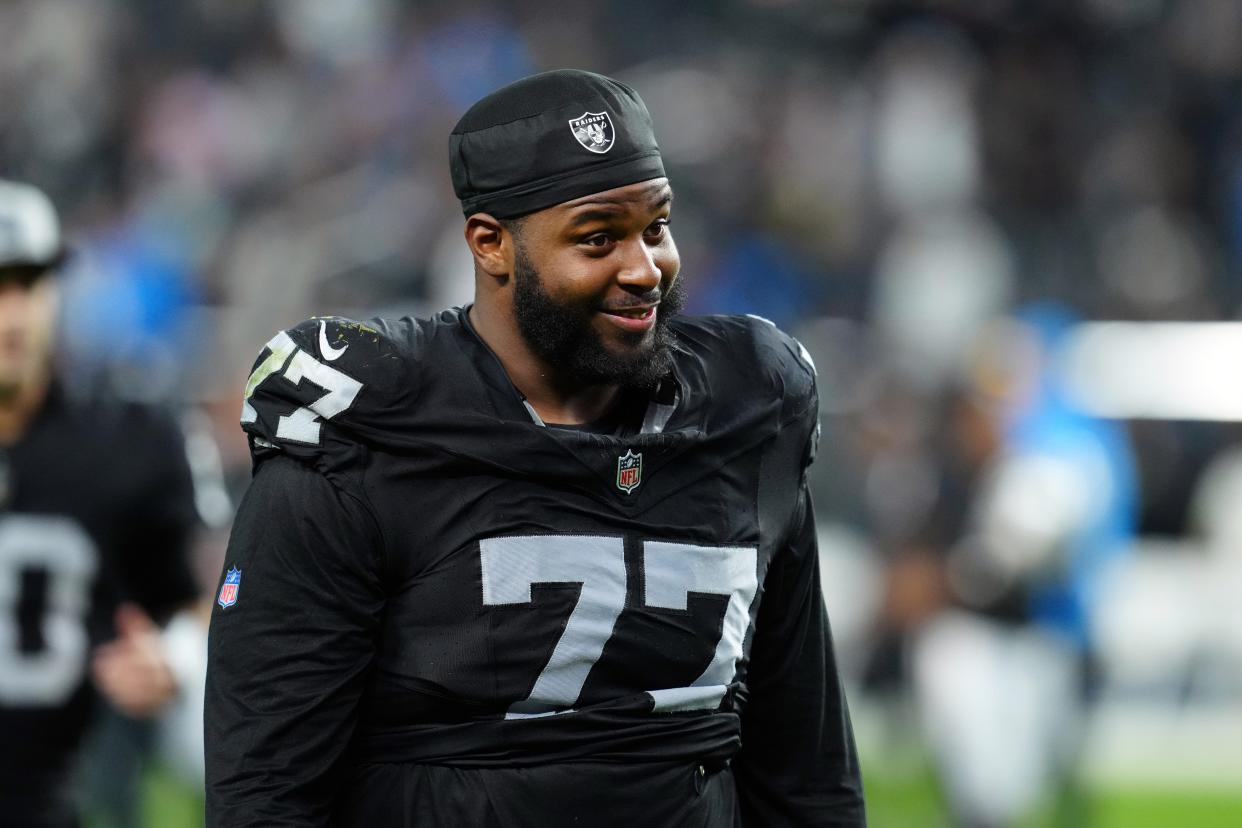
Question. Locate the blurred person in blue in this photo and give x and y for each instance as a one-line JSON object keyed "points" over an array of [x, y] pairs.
{"points": [[96, 515], [1000, 677]]}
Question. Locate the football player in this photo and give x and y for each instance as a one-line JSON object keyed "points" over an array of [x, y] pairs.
{"points": [[96, 511], [546, 560]]}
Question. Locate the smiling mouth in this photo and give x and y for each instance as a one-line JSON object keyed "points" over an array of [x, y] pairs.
{"points": [[636, 320], [632, 313]]}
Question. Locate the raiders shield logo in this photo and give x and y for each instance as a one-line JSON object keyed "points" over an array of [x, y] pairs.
{"points": [[629, 471], [594, 131]]}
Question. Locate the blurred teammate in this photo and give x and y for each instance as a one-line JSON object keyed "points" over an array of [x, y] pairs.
{"points": [[96, 509], [548, 560]]}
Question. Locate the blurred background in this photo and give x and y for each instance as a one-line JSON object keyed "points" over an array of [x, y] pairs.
{"points": [[1008, 231]]}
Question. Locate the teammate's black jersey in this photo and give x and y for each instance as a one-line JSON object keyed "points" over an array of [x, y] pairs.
{"points": [[96, 507], [439, 611]]}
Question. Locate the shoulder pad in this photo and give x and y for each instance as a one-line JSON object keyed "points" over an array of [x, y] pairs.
{"points": [[326, 371], [757, 356], [748, 356], [789, 360], [783, 368], [792, 363], [785, 361]]}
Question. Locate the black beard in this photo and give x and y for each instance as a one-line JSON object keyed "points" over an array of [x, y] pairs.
{"points": [[562, 335]]}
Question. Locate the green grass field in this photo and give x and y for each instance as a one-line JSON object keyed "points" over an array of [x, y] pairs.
{"points": [[910, 799], [914, 801]]}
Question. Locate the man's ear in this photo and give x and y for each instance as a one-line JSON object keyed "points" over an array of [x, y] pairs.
{"points": [[491, 244]]}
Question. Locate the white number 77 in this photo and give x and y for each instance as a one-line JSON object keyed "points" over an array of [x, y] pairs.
{"points": [[302, 425], [511, 566]]}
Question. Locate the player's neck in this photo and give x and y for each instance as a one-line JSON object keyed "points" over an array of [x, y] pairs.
{"points": [[585, 405], [555, 398], [18, 407]]}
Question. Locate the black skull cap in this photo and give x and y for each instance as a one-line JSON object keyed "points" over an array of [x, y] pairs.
{"points": [[551, 138]]}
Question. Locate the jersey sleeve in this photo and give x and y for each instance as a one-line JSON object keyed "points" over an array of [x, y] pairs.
{"points": [[323, 385], [292, 637], [798, 764]]}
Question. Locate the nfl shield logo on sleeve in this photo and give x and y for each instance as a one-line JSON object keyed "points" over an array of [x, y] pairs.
{"points": [[228, 592], [629, 471]]}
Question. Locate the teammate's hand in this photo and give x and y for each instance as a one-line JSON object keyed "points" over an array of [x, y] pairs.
{"points": [[131, 671]]}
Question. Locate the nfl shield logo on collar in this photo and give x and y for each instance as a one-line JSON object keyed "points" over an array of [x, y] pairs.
{"points": [[629, 471], [228, 592], [594, 131]]}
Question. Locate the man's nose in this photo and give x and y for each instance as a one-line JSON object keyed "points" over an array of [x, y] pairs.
{"points": [[639, 269]]}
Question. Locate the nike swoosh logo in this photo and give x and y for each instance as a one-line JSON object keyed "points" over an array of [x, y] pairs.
{"points": [[329, 353]]}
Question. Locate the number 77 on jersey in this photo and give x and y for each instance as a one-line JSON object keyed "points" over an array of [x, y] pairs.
{"points": [[671, 571]]}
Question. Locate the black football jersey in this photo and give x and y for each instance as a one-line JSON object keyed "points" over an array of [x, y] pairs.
{"points": [[96, 508], [425, 576]]}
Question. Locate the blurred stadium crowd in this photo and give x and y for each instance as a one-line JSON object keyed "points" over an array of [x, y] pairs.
{"points": [[933, 196]]}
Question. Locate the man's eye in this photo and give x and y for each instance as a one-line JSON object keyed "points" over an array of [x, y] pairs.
{"points": [[657, 229], [598, 240]]}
